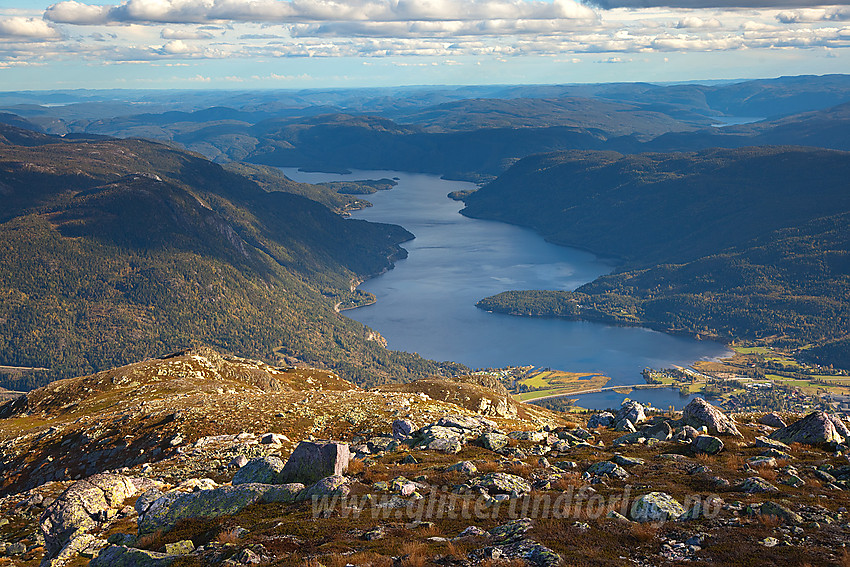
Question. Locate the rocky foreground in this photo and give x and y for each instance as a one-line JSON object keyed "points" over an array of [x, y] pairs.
{"points": [[197, 459]]}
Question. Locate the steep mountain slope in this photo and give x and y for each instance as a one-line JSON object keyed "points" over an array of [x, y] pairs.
{"points": [[751, 243], [117, 250]]}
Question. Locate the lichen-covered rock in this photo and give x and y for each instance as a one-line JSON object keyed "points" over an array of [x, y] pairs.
{"points": [[266, 470], [772, 444], [182, 547], [707, 444], [470, 425], [686, 434], [120, 556], [493, 441], [699, 413], [814, 429], [631, 410], [782, 512], [627, 461], [604, 419], [502, 483], [403, 428], [656, 507], [624, 425], [533, 436], [450, 445], [755, 485], [510, 541], [466, 467], [772, 420], [629, 439], [165, 512], [761, 461], [85, 545], [82, 507], [329, 486], [662, 431], [512, 531], [311, 461], [609, 469], [840, 425]]}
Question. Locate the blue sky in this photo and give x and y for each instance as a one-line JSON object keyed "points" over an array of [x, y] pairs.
{"points": [[242, 44]]}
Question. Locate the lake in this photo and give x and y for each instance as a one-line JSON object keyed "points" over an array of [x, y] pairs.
{"points": [[426, 304]]}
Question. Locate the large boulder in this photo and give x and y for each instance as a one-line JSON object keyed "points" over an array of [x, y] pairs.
{"points": [[120, 556], [609, 469], [604, 419], [755, 485], [502, 483], [840, 426], [700, 413], [493, 441], [661, 431], [656, 507], [311, 461], [266, 470], [814, 429], [631, 410], [772, 420], [169, 509], [403, 428], [84, 506], [707, 444], [330, 486]]}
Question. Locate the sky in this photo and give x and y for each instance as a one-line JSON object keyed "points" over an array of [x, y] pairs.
{"points": [[274, 44]]}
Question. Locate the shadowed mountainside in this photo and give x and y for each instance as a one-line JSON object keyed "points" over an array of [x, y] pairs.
{"points": [[115, 250]]}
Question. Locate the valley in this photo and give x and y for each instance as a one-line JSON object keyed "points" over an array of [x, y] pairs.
{"points": [[423, 326]]}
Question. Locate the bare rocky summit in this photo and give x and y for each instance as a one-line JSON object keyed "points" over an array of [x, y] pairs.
{"points": [[199, 459]]}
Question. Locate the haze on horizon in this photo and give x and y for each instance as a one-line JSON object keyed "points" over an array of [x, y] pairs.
{"points": [[254, 44]]}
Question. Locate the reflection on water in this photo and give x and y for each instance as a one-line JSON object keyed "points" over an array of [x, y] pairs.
{"points": [[426, 304]]}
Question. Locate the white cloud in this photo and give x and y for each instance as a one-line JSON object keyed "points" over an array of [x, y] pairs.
{"points": [[27, 28], [72, 12], [201, 11], [695, 22], [814, 15], [178, 47], [169, 33]]}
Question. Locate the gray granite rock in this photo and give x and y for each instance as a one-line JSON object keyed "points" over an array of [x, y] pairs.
{"points": [[699, 413], [815, 429], [311, 461]]}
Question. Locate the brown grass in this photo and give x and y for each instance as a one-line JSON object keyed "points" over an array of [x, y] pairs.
{"points": [[767, 473], [413, 554], [356, 467], [644, 532], [488, 467], [228, 536], [771, 522], [370, 559], [335, 560], [571, 479], [733, 461], [457, 550], [522, 470]]}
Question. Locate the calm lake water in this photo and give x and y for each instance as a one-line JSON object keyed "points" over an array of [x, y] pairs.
{"points": [[426, 304]]}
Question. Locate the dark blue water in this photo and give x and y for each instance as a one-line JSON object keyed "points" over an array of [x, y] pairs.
{"points": [[426, 304]]}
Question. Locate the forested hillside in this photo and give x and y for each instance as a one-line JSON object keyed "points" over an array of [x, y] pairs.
{"points": [[751, 243], [114, 251]]}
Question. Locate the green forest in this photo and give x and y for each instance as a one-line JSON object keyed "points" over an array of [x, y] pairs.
{"points": [[722, 244], [114, 251]]}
